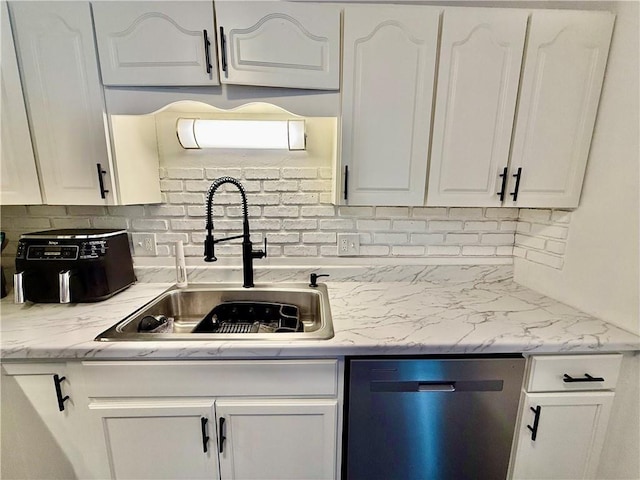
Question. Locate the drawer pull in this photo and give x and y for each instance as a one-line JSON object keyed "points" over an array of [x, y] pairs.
{"points": [[536, 420], [205, 437], [586, 378]]}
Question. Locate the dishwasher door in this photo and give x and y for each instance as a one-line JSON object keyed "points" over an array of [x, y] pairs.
{"points": [[445, 419]]}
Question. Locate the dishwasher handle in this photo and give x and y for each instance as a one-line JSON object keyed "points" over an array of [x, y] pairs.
{"points": [[437, 387]]}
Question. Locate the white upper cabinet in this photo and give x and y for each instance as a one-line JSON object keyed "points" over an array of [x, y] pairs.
{"points": [[478, 75], [18, 176], [387, 91], [279, 44], [156, 43], [64, 99], [565, 62]]}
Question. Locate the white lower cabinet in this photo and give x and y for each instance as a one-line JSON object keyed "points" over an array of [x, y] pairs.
{"points": [[564, 412], [277, 439], [243, 420]]}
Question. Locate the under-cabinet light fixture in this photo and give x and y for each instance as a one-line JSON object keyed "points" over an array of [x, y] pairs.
{"points": [[265, 134]]}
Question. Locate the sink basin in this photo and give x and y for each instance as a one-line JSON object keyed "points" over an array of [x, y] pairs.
{"points": [[292, 311]]}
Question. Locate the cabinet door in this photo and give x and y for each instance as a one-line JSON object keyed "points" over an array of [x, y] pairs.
{"points": [[387, 89], [156, 43], [57, 57], [170, 439], [279, 44], [569, 438], [33, 423], [277, 439], [562, 77], [18, 176], [478, 75]]}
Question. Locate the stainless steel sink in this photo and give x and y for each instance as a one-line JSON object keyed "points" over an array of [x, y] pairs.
{"points": [[187, 307]]}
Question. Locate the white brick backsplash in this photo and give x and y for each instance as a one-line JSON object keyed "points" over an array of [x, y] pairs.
{"points": [[301, 250], [502, 213], [549, 231], [438, 250], [185, 173], [392, 211], [45, 210], [408, 250], [476, 251], [410, 225], [318, 211], [265, 224], [171, 185], [497, 238], [429, 212], [291, 205], [560, 216], [302, 224], [281, 211], [391, 238], [150, 225], [299, 198], [545, 258], [299, 172], [165, 210], [465, 213], [444, 225], [530, 242], [481, 226], [504, 250], [110, 222], [71, 222], [283, 237], [197, 185], [265, 199], [181, 198], [280, 186], [534, 215], [374, 250], [92, 211], [315, 185], [461, 238], [337, 224], [213, 173], [261, 173], [355, 211], [319, 237], [377, 225], [556, 247], [427, 238]]}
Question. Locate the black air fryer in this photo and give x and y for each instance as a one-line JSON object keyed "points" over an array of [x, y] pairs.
{"points": [[72, 265]]}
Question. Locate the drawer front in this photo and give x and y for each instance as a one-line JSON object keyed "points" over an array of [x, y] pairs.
{"points": [[211, 378], [559, 373]]}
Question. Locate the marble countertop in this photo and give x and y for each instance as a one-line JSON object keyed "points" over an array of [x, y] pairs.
{"points": [[467, 316]]}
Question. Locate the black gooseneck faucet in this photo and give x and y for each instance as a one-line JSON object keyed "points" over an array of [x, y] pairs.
{"points": [[248, 254]]}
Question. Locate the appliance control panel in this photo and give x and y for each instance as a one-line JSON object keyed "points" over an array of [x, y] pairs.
{"points": [[51, 252]]}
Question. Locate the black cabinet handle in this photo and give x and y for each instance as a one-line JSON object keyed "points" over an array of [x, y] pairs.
{"points": [[57, 380], [504, 184], [205, 437], [346, 182], [514, 194], [101, 172], [587, 378], [207, 54], [223, 50], [221, 433], [536, 420]]}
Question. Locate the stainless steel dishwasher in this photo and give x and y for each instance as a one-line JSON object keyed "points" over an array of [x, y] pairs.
{"points": [[426, 418]]}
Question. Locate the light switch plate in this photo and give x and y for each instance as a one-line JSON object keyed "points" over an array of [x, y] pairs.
{"points": [[144, 244]]}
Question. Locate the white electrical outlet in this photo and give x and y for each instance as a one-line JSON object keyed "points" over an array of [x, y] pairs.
{"points": [[348, 244], [144, 244]]}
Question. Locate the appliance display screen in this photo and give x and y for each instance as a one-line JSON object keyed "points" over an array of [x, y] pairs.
{"points": [[52, 252]]}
